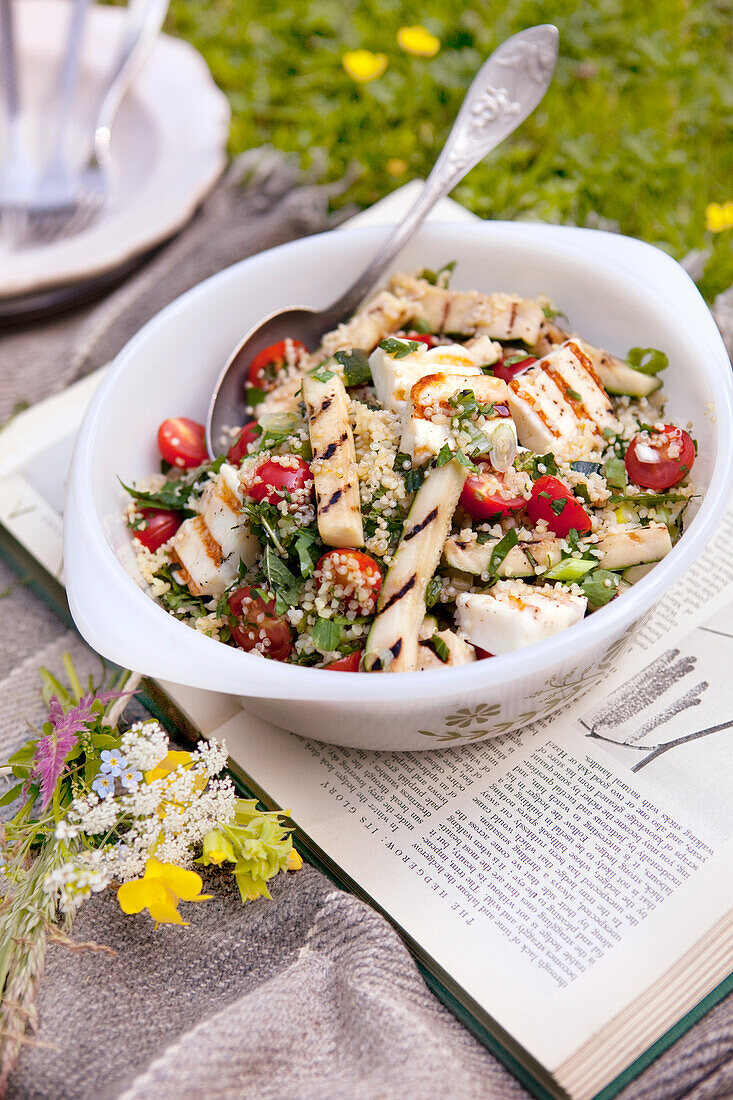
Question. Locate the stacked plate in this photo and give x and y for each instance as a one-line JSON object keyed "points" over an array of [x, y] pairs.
{"points": [[168, 146]]}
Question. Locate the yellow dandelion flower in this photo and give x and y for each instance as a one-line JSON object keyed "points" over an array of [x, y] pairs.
{"points": [[159, 891], [363, 65], [396, 166], [719, 216], [418, 41]]}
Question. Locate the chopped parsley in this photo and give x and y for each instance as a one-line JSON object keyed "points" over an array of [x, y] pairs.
{"points": [[357, 371], [500, 551], [614, 471], [595, 588], [440, 647], [558, 505], [413, 477], [441, 277], [398, 349], [433, 590], [176, 495], [255, 395], [531, 463]]}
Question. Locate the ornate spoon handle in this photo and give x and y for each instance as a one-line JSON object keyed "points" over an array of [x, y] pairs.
{"points": [[506, 89]]}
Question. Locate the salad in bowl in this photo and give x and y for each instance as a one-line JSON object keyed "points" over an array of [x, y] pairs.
{"points": [[451, 476]]}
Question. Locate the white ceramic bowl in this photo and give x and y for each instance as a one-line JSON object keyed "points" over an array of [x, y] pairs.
{"points": [[620, 293]]}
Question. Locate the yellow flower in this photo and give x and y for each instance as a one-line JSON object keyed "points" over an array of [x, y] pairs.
{"points": [[719, 217], [217, 848], [418, 41], [159, 890], [363, 65], [396, 166], [295, 861], [169, 764]]}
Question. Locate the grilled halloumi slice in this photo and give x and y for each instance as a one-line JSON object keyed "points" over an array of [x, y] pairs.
{"points": [[474, 557], [470, 313], [426, 424], [333, 466], [394, 378], [209, 547], [392, 644], [621, 549], [559, 404], [513, 615]]}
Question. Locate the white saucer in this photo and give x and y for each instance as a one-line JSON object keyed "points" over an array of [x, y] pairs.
{"points": [[168, 143]]}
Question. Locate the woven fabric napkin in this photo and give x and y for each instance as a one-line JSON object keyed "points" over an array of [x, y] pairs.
{"points": [[309, 996]]}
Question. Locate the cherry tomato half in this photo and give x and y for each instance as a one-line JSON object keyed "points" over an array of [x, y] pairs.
{"points": [[509, 371], [346, 664], [182, 442], [554, 502], [160, 525], [483, 495], [426, 338], [250, 616], [238, 449], [275, 477], [351, 576], [264, 368], [661, 458]]}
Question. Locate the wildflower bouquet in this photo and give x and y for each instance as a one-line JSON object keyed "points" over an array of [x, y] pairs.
{"points": [[101, 807]]}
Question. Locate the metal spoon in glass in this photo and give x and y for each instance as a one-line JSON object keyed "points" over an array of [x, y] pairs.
{"points": [[505, 91]]}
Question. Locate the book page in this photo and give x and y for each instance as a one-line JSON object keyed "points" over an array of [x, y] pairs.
{"points": [[555, 873]]}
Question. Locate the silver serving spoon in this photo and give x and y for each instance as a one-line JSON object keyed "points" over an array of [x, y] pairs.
{"points": [[505, 91]]}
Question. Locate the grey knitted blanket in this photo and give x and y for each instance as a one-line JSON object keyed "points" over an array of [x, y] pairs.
{"points": [[310, 996]]}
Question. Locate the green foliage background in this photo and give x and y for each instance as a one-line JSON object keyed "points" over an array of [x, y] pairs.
{"points": [[634, 134]]}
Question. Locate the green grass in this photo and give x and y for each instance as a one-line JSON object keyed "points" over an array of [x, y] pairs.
{"points": [[634, 134]]}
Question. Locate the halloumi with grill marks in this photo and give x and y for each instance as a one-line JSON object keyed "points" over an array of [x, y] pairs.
{"points": [[394, 377], [470, 313], [210, 546], [382, 315], [523, 560], [513, 615], [559, 404], [334, 468], [422, 436]]}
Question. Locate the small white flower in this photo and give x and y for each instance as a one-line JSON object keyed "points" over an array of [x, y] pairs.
{"points": [[66, 831]]}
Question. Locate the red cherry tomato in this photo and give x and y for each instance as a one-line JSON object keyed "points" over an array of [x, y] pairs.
{"points": [[351, 576], [238, 449], [182, 442], [661, 458], [509, 371], [266, 365], [275, 477], [482, 495], [553, 501], [250, 615], [426, 338], [346, 664], [160, 525]]}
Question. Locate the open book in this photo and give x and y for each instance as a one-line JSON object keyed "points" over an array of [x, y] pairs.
{"points": [[568, 890]]}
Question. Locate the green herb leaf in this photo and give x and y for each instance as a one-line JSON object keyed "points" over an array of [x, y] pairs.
{"points": [[285, 586], [419, 324], [413, 477], [597, 590], [445, 455], [441, 649], [178, 599], [398, 349], [441, 277], [558, 505], [500, 551], [307, 550], [531, 463], [647, 360], [433, 590], [255, 396], [357, 371], [551, 313], [326, 634], [614, 471], [322, 374]]}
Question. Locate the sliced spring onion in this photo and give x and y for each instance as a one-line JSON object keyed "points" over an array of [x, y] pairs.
{"points": [[570, 569], [279, 422], [503, 449]]}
